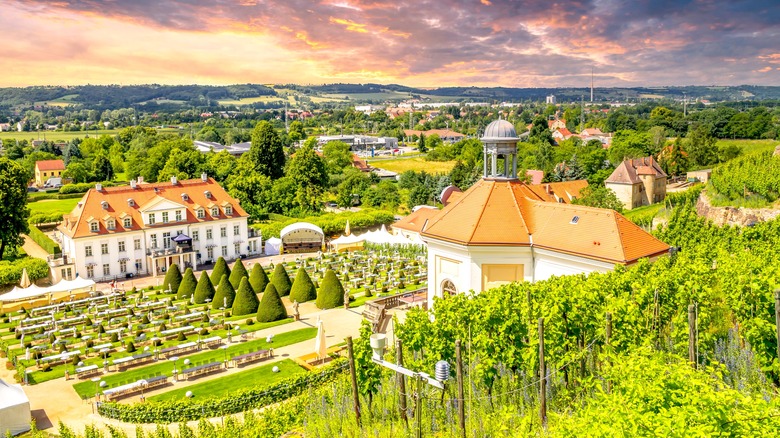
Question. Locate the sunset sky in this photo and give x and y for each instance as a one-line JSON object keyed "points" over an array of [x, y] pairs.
{"points": [[516, 43]]}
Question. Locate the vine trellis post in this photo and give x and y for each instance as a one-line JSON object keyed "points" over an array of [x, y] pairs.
{"points": [[542, 377], [777, 320], [607, 337]]}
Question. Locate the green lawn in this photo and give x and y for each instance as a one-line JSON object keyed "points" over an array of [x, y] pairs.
{"points": [[749, 146], [253, 378], [87, 388], [53, 206]]}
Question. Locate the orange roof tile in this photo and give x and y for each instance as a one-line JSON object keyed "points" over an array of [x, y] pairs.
{"points": [[416, 220], [50, 165], [146, 196], [509, 213]]}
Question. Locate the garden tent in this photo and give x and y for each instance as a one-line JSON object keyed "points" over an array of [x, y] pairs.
{"points": [[36, 291], [272, 246], [14, 410], [302, 237], [346, 243]]}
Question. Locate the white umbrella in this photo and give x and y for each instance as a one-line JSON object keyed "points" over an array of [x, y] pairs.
{"points": [[347, 232], [319, 342], [24, 282]]}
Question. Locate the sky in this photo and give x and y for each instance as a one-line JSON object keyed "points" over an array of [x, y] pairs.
{"points": [[421, 43]]}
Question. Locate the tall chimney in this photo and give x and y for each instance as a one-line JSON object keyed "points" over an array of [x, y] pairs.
{"points": [[204, 177], [99, 187], [133, 184], [173, 180]]}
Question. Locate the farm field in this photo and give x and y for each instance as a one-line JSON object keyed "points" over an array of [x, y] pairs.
{"points": [[49, 206], [749, 146], [251, 100], [65, 135], [251, 378], [417, 164]]}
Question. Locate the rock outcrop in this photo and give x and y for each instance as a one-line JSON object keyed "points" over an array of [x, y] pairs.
{"points": [[733, 215]]}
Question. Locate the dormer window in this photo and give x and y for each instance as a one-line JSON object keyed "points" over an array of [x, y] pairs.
{"points": [[131, 202], [215, 212], [127, 223], [93, 227], [104, 204], [111, 224], [185, 197], [574, 220], [229, 210], [151, 219], [178, 215], [201, 213], [207, 194], [165, 217]]}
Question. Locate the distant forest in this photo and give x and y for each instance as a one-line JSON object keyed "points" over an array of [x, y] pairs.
{"points": [[102, 97]]}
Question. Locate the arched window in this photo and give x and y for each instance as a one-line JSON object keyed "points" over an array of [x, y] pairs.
{"points": [[448, 288]]}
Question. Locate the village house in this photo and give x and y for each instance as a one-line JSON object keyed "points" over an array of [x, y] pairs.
{"points": [[638, 182], [46, 169]]}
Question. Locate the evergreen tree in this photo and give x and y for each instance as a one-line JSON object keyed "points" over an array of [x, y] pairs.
{"points": [[172, 278], [302, 288], [239, 272], [331, 294], [205, 289], [281, 280], [225, 294], [187, 285], [220, 268], [102, 168], [258, 279], [246, 300], [271, 307]]}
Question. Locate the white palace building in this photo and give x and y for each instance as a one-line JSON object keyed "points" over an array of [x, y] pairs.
{"points": [[500, 231], [120, 232]]}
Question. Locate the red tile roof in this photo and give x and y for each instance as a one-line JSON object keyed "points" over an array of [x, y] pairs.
{"points": [[46, 165]]}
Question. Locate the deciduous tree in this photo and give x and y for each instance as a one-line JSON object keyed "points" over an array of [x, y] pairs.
{"points": [[13, 208]]}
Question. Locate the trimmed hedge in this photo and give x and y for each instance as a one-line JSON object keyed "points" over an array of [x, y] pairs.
{"points": [[271, 307], [246, 302], [187, 286], [333, 223], [225, 295], [281, 280], [45, 218], [172, 278], [331, 294], [220, 269], [205, 290], [81, 187], [11, 272], [302, 289], [43, 240], [243, 400], [258, 279], [238, 272]]}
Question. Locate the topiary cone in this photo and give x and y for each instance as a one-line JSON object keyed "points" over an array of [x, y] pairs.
{"points": [[220, 269], [331, 293], [258, 279], [271, 307], [281, 280], [302, 288], [187, 285], [205, 289], [172, 278], [239, 272], [246, 300], [225, 295]]}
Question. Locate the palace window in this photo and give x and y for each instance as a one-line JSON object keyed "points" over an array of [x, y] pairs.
{"points": [[122, 266], [93, 226], [209, 235], [165, 217], [195, 236], [201, 213], [215, 212], [178, 215], [90, 271], [210, 253], [236, 230], [151, 219], [127, 223], [448, 288], [88, 251], [224, 250], [121, 245], [229, 210], [104, 248], [137, 244], [223, 232], [106, 269]]}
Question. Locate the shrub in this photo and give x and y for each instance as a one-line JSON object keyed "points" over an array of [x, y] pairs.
{"points": [[239, 272], [246, 301], [43, 240], [187, 285], [204, 318], [90, 343], [204, 332], [145, 320], [205, 289], [45, 368], [130, 347], [281, 280], [258, 279], [302, 289], [271, 307], [181, 337], [114, 337], [163, 327], [101, 329], [331, 294], [220, 269], [11, 271], [250, 322], [172, 278], [225, 294]]}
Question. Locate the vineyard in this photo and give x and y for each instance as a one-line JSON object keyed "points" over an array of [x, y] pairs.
{"points": [[752, 180], [685, 346]]}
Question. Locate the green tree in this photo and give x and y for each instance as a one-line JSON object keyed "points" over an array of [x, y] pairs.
{"points": [[421, 146], [187, 286], [369, 374], [220, 268], [102, 169], [337, 156], [220, 165], [271, 307], [13, 211], [296, 132], [183, 164], [252, 189], [246, 301], [205, 290], [266, 152], [238, 272], [701, 148], [540, 132], [310, 174], [281, 280], [302, 288], [258, 279], [331, 293], [172, 278], [225, 294], [77, 171], [599, 196]]}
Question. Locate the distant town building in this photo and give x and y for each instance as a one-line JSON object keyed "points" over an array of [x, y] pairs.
{"points": [[551, 100], [360, 142], [235, 149], [119, 232], [447, 135], [638, 182]]}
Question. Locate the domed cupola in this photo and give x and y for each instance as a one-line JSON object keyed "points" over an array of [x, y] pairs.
{"points": [[500, 141]]}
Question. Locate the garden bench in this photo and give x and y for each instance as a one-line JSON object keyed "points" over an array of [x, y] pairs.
{"points": [[87, 371], [200, 370], [251, 357]]}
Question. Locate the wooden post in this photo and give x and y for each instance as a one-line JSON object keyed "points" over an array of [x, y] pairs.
{"points": [[461, 398], [607, 343], [692, 336], [399, 359], [542, 377], [777, 320], [353, 377], [418, 407]]}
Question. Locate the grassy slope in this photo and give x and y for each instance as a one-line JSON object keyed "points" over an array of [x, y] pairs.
{"points": [[252, 378], [53, 206]]}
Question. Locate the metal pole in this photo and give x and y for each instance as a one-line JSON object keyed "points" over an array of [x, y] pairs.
{"points": [[777, 319], [418, 414], [607, 341], [461, 398], [692, 336], [399, 359], [542, 377], [353, 378]]}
